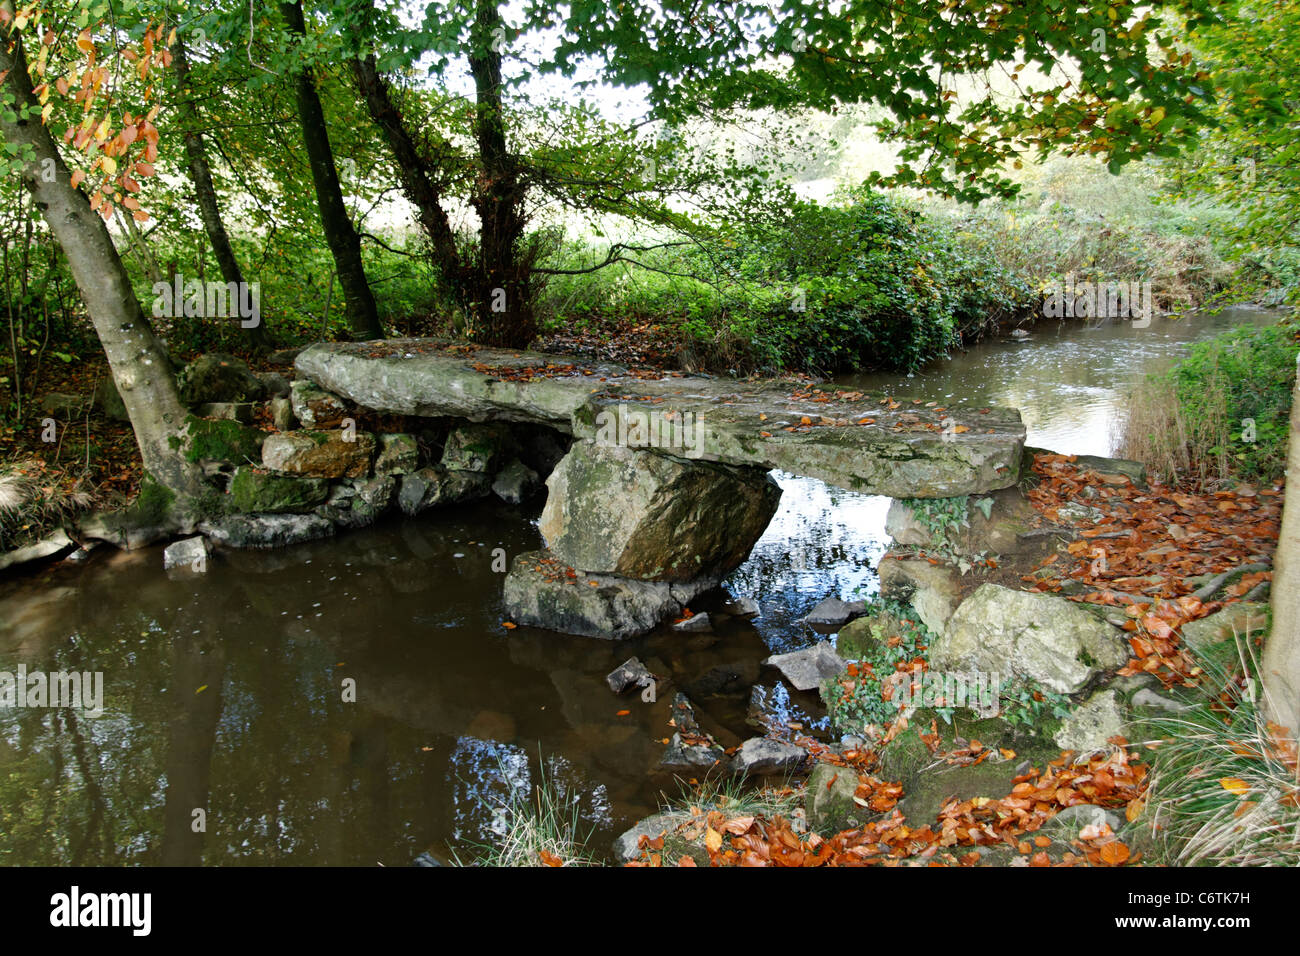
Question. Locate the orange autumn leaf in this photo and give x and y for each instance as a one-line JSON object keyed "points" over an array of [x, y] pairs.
{"points": [[1235, 786], [712, 839], [1113, 854]]}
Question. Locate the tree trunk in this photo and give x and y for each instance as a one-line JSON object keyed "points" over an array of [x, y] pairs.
{"points": [[501, 294], [139, 364], [340, 234], [412, 168], [1281, 662], [196, 155]]}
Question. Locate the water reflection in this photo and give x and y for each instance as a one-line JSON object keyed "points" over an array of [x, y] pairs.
{"points": [[821, 541], [1068, 378]]}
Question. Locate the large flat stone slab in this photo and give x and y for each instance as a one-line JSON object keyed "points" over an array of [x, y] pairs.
{"points": [[860, 441]]}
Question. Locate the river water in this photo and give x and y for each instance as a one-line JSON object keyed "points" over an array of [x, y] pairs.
{"points": [[357, 701]]}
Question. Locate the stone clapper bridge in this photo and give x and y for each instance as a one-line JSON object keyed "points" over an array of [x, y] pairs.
{"points": [[665, 488]]}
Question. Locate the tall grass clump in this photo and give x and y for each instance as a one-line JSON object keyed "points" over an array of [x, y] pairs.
{"points": [[542, 828], [1039, 245], [35, 502], [1223, 413], [1225, 789]]}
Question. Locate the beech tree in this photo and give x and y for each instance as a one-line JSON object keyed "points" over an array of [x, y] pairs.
{"points": [[114, 149], [1281, 662]]}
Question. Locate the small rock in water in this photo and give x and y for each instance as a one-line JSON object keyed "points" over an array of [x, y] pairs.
{"points": [[831, 612], [769, 709], [516, 483], [631, 673], [192, 553], [690, 749], [744, 607], [760, 755], [697, 622], [48, 547], [806, 669]]}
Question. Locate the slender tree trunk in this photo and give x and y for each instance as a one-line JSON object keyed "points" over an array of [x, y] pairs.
{"points": [[1281, 662], [196, 155], [412, 168], [139, 364], [340, 234], [501, 293]]}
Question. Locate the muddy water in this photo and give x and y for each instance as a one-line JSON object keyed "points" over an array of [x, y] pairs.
{"points": [[226, 737]]}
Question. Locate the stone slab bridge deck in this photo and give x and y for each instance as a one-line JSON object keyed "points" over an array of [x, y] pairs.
{"points": [[851, 439], [664, 490]]}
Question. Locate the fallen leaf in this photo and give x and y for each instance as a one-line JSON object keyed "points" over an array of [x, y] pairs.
{"points": [[1235, 785], [712, 840], [1114, 854]]}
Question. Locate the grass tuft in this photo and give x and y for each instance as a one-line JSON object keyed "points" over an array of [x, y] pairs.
{"points": [[543, 828], [1225, 789]]}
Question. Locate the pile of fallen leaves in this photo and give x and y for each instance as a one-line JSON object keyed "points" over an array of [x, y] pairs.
{"points": [[1148, 547], [646, 346], [528, 373], [91, 452], [1112, 780]]}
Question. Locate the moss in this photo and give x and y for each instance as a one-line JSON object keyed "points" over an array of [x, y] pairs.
{"points": [[209, 505], [222, 441], [907, 756], [154, 502], [253, 491]]}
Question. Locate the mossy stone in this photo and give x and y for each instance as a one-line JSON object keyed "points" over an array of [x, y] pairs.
{"points": [[222, 440]]}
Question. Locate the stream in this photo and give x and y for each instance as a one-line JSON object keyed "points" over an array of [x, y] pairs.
{"points": [[226, 737]]}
